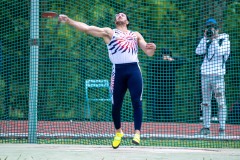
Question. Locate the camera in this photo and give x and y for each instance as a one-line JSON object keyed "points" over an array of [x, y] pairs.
{"points": [[210, 32]]}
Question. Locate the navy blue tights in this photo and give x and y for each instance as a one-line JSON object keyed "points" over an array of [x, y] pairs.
{"points": [[127, 76]]}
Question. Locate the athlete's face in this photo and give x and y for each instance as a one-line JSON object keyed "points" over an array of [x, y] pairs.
{"points": [[121, 18]]}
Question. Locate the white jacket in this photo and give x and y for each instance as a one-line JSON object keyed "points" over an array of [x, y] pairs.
{"points": [[214, 62]]}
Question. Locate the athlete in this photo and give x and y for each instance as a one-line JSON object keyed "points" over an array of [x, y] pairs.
{"points": [[122, 45]]}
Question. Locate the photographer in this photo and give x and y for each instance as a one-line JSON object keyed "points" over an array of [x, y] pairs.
{"points": [[216, 49]]}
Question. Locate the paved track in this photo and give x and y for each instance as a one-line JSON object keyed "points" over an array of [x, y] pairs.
{"points": [[86, 152]]}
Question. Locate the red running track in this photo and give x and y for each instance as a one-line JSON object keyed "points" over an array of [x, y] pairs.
{"points": [[79, 127]]}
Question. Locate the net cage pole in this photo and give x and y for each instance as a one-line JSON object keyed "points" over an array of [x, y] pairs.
{"points": [[33, 72]]}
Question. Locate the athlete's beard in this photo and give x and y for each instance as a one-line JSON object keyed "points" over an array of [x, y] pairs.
{"points": [[120, 23]]}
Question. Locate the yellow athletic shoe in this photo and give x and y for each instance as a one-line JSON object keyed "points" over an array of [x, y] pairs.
{"points": [[117, 140], [136, 139]]}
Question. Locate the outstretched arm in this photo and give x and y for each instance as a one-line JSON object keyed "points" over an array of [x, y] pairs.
{"points": [[148, 48], [105, 33]]}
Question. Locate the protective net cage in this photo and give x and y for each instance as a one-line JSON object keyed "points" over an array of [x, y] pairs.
{"points": [[54, 80]]}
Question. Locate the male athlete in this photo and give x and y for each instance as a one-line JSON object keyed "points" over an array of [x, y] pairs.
{"points": [[122, 45]]}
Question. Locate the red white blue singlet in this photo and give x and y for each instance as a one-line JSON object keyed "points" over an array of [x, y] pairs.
{"points": [[123, 47]]}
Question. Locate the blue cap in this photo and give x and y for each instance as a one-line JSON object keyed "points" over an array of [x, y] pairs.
{"points": [[211, 21]]}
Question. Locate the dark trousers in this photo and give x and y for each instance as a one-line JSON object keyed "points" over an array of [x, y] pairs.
{"points": [[126, 76]]}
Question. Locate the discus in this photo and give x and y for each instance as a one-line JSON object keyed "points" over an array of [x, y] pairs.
{"points": [[49, 14]]}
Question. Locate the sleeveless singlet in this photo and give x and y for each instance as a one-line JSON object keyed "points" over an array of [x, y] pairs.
{"points": [[123, 47]]}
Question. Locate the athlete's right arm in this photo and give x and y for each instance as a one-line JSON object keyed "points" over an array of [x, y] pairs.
{"points": [[105, 33]]}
